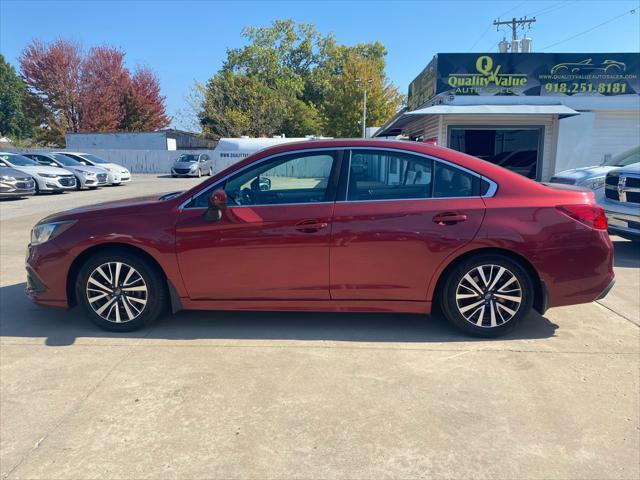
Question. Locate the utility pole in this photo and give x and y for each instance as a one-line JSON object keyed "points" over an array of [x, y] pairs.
{"points": [[514, 24], [364, 104]]}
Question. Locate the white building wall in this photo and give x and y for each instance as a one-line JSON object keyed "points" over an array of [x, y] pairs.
{"points": [[127, 140], [592, 137]]}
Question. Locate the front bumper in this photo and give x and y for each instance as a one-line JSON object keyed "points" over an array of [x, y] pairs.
{"points": [[18, 188], [56, 184], [182, 173], [623, 219], [46, 268]]}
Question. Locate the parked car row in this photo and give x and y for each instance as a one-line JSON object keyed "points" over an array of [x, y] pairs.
{"points": [[31, 173]]}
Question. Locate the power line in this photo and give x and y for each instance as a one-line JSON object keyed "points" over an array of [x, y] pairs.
{"points": [[629, 12], [489, 27], [550, 8]]}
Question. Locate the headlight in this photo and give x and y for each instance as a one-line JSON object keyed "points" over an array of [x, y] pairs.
{"points": [[193, 167], [88, 174], [7, 178], [107, 169], [44, 232], [48, 175], [593, 183]]}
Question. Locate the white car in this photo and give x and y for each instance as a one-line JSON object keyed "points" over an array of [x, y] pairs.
{"points": [[116, 174], [48, 179]]}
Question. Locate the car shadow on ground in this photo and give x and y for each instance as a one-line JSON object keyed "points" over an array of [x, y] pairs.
{"points": [[20, 318], [626, 254]]}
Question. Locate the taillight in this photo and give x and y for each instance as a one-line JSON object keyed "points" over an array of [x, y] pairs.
{"points": [[591, 215]]}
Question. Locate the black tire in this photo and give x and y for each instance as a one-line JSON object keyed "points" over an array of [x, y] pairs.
{"points": [[152, 280], [495, 308], [210, 171]]}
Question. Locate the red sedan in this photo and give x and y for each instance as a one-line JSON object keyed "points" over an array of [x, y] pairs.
{"points": [[339, 225]]}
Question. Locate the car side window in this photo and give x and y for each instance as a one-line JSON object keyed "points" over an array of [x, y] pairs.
{"points": [[384, 175], [286, 179], [451, 182]]}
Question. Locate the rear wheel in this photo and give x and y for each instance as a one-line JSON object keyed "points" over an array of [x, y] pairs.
{"points": [[487, 295], [120, 291]]}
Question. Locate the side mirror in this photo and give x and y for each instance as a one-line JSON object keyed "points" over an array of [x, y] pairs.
{"points": [[83, 162], [217, 203]]}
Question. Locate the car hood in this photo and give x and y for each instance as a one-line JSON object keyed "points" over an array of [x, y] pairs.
{"points": [[114, 166], [13, 172], [87, 169], [184, 164], [33, 169], [585, 173], [129, 206]]}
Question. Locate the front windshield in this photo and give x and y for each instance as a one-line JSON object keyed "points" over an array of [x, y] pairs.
{"points": [[93, 158], [628, 158], [185, 157], [18, 160], [64, 160]]}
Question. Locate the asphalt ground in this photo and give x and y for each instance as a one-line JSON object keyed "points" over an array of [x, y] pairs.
{"points": [[300, 395]]}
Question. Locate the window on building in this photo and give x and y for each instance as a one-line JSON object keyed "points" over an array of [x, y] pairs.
{"points": [[514, 149]]}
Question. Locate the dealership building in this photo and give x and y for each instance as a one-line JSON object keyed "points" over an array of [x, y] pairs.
{"points": [[534, 113]]}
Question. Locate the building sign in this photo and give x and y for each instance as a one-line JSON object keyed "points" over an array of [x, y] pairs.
{"points": [[537, 74], [423, 86]]}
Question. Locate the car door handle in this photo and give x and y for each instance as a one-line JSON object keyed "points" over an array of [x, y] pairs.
{"points": [[449, 218], [310, 226]]}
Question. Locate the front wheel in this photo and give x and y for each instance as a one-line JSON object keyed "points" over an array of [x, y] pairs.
{"points": [[120, 291], [487, 295]]}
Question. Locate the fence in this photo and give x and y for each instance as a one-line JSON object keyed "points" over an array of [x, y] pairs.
{"points": [[159, 161], [141, 161]]}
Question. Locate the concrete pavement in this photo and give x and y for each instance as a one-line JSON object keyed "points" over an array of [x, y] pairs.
{"points": [[291, 395]]}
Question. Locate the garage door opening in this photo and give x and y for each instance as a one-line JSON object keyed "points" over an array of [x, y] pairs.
{"points": [[519, 150]]}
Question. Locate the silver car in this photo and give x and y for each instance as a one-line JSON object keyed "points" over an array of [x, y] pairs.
{"points": [[192, 165], [14, 183], [86, 175], [621, 201], [116, 174], [593, 177], [48, 179]]}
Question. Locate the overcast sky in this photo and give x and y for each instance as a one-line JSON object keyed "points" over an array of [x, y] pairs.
{"points": [[186, 41]]}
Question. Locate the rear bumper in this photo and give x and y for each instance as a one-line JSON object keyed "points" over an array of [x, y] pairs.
{"points": [[606, 291]]}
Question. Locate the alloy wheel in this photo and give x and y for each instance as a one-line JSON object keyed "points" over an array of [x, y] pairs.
{"points": [[488, 296], [116, 292]]}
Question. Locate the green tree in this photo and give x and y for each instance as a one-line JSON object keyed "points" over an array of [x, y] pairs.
{"points": [[14, 121], [237, 105], [293, 74], [342, 108]]}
